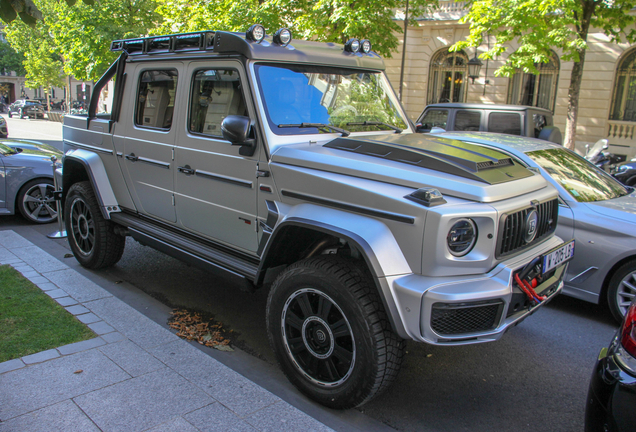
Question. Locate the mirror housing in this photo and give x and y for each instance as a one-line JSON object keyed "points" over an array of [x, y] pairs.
{"points": [[237, 130]]}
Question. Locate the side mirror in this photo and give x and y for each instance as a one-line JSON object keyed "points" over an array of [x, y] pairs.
{"points": [[237, 130]]}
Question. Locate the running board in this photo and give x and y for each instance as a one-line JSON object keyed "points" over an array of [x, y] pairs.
{"points": [[189, 250]]}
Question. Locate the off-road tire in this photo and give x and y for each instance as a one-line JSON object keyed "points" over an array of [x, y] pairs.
{"points": [[619, 285], [377, 352], [92, 238]]}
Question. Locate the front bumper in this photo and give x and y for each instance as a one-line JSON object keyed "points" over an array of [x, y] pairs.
{"points": [[611, 396], [481, 308]]}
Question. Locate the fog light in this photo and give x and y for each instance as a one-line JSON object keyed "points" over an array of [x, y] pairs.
{"points": [[352, 45], [366, 46]]}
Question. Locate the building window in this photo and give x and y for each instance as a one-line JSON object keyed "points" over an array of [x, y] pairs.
{"points": [[536, 90], [624, 97], [447, 77]]}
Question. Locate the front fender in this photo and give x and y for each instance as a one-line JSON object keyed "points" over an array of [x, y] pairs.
{"points": [[82, 164]]}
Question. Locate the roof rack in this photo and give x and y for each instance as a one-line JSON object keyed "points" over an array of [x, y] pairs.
{"points": [[196, 41]]}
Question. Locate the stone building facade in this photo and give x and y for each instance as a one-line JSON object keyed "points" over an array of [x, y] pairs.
{"points": [[608, 93]]}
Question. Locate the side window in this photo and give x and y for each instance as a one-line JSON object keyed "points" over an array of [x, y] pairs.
{"points": [[155, 99], [539, 122], [434, 118], [508, 123], [105, 102], [216, 94], [467, 120]]}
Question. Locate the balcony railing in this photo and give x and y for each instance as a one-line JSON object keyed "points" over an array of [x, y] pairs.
{"points": [[452, 6], [621, 135]]}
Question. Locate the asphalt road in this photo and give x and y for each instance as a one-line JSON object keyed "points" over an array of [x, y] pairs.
{"points": [[534, 379]]}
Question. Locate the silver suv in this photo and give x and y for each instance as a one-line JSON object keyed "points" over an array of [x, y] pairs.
{"points": [[291, 166]]}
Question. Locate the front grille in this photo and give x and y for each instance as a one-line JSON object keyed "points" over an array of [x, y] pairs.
{"points": [[512, 227], [461, 318]]}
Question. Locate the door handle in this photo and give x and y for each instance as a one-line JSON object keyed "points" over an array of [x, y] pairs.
{"points": [[132, 157], [186, 170]]}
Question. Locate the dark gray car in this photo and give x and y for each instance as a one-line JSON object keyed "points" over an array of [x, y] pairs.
{"points": [[594, 209], [26, 180]]}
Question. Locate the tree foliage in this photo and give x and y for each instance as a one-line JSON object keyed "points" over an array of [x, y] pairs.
{"points": [[11, 60], [27, 10], [539, 26]]}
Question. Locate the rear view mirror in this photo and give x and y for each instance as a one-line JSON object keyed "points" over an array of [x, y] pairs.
{"points": [[238, 130]]}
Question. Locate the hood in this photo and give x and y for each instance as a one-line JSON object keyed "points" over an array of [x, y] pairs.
{"points": [[454, 167], [623, 208]]}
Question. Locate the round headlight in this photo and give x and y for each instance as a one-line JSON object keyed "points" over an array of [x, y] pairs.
{"points": [[352, 45], [282, 36], [462, 237], [255, 33], [366, 46]]}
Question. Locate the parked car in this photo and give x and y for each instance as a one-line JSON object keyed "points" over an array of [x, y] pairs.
{"points": [[26, 180], [594, 209], [4, 130], [26, 108], [611, 396], [510, 119]]}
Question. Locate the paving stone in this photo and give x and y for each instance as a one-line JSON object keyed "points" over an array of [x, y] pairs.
{"points": [[88, 318], [129, 322], [76, 285], [22, 267], [77, 310], [38, 259], [112, 337], [131, 358], [28, 273], [47, 286], [11, 365], [176, 424], [11, 261], [6, 255], [56, 293], [61, 417], [66, 301], [284, 417], [81, 346], [41, 356], [101, 328], [226, 386], [217, 418], [44, 384], [10, 240], [143, 402], [37, 279]]}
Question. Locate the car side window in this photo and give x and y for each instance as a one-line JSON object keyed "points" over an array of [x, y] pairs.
{"points": [[467, 120], [155, 99], [216, 94], [508, 123], [434, 118]]}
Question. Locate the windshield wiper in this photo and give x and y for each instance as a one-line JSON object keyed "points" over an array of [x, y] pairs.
{"points": [[344, 132], [376, 123]]}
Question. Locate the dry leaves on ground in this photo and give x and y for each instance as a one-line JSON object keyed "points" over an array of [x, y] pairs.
{"points": [[191, 326]]}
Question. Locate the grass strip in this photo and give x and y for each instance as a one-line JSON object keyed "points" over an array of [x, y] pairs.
{"points": [[31, 321]]}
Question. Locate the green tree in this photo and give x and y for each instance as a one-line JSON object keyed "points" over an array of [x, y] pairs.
{"points": [[27, 10], [43, 68], [11, 60], [541, 25]]}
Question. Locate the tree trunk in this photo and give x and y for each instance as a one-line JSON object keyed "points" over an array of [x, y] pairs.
{"points": [[573, 101]]}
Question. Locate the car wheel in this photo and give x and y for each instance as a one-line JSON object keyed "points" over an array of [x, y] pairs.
{"points": [[330, 333], [621, 290], [10, 115], [21, 112], [92, 238], [36, 203]]}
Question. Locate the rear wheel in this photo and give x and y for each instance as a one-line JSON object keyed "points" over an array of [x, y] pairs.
{"points": [[21, 112], [330, 333], [622, 290], [92, 238], [36, 202]]}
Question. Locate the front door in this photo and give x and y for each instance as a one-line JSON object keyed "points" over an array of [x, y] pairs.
{"points": [[215, 186]]}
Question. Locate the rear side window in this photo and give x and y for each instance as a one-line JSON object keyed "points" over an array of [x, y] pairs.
{"points": [[434, 118], [216, 94], [508, 123], [467, 120], [155, 99]]}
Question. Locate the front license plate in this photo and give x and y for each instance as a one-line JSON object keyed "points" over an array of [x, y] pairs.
{"points": [[558, 256]]}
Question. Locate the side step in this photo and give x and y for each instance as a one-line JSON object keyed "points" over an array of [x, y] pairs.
{"points": [[203, 255]]}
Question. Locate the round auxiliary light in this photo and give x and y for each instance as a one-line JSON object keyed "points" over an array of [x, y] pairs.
{"points": [[366, 46], [282, 36], [256, 33], [462, 237], [352, 45]]}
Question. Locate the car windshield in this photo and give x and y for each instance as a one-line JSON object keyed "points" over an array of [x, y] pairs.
{"points": [[344, 98], [583, 180]]}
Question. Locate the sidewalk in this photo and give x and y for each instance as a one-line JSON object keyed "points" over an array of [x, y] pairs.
{"points": [[135, 375]]}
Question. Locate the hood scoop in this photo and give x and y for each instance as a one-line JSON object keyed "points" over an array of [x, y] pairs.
{"points": [[440, 154]]}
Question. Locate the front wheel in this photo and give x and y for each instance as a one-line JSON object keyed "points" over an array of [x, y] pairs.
{"points": [[36, 202], [330, 333], [92, 238], [621, 290]]}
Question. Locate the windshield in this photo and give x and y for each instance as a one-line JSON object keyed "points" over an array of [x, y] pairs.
{"points": [[583, 180], [293, 95]]}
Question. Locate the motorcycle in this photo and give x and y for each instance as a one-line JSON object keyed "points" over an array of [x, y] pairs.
{"points": [[603, 159]]}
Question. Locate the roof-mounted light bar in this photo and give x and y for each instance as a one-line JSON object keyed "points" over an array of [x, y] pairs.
{"points": [[170, 43], [256, 33]]}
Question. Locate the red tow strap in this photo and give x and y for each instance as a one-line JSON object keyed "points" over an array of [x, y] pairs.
{"points": [[528, 290]]}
